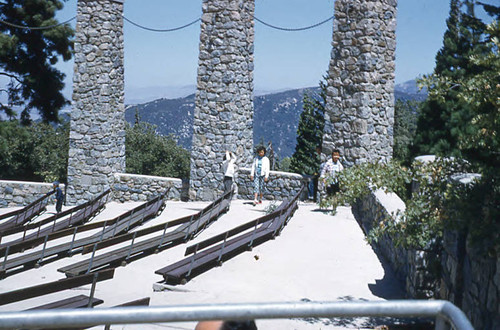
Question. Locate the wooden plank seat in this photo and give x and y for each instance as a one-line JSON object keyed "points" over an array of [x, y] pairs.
{"points": [[79, 217], [79, 301], [112, 227], [138, 302], [21, 216], [201, 261], [137, 250], [38, 224], [222, 236], [55, 286], [265, 228]]}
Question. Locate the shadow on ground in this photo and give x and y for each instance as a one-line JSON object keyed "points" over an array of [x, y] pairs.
{"points": [[382, 323]]}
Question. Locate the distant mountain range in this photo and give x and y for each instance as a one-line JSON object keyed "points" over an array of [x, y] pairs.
{"points": [[276, 115]]}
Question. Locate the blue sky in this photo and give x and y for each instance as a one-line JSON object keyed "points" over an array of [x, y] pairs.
{"points": [[160, 64]]}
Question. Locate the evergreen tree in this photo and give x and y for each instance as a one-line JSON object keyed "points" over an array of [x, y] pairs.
{"points": [[443, 120], [28, 55], [305, 159], [405, 124], [149, 153], [38, 152]]}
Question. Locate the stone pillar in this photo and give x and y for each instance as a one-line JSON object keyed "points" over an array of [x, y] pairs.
{"points": [[360, 85], [223, 116], [97, 134]]}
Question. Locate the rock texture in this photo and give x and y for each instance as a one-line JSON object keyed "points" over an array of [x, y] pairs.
{"points": [[22, 193], [97, 135], [360, 83], [223, 116]]}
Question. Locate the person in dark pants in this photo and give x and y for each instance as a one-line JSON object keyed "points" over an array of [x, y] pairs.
{"points": [[329, 171], [58, 196]]}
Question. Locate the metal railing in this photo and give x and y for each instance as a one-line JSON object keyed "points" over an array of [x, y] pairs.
{"points": [[443, 311]]}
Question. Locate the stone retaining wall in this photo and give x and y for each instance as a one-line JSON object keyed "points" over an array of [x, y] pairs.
{"points": [[126, 187], [21, 193], [411, 267], [135, 187], [453, 270], [471, 275], [279, 186]]}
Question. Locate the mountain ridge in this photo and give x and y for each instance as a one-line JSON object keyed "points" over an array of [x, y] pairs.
{"points": [[276, 115]]}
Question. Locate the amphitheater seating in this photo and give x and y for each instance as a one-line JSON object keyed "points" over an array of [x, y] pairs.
{"points": [[79, 301], [189, 227], [110, 228], [84, 213], [264, 228], [21, 216], [56, 286]]}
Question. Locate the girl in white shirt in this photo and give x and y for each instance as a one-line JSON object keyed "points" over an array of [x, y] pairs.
{"points": [[259, 174], [228, 168]]}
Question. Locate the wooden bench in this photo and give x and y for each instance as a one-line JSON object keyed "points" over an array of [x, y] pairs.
{"points": [[56, 286], [21, 216], [264, 228], [37, 238], [111, 227], [134, 251], [80, 301], [138, 302]]}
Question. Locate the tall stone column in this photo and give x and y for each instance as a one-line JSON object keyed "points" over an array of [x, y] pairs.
{"points": [[360, 87], [97, 134], [223, 116]]}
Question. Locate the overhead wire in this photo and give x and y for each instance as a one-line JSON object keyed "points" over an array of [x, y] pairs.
{"points": [[289, 29], [36, 27], [162, 30], [293, 29]]}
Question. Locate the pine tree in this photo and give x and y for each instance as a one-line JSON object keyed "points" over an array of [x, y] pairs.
{"points": [[443, 120], [405, 124], [305, 159], [28, 55]]}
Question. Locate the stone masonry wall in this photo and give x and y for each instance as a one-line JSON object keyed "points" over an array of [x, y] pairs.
{"points": [[135, 187], [97, 134], [279, 186], [21, 193], [471, 276], [360, 85], [223, 116], [125, 188], [455, 271], [410, 266]]}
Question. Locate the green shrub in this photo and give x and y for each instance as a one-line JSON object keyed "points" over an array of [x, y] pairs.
{"points": [[434, 205]]}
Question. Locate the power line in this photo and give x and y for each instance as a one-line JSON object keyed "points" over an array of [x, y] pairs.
{"points": [[162, 30], [293, 29], [170, 29], [36, 27]]}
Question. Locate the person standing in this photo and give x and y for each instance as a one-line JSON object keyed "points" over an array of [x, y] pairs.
{"points": [[228, 166], [58, 196], [330, 170], [259, 174]]}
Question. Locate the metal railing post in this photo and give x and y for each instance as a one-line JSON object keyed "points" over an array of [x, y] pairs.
{"points": [[43, 249], [163, 235], [131, 246], [5, 258], [92, 290]]}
